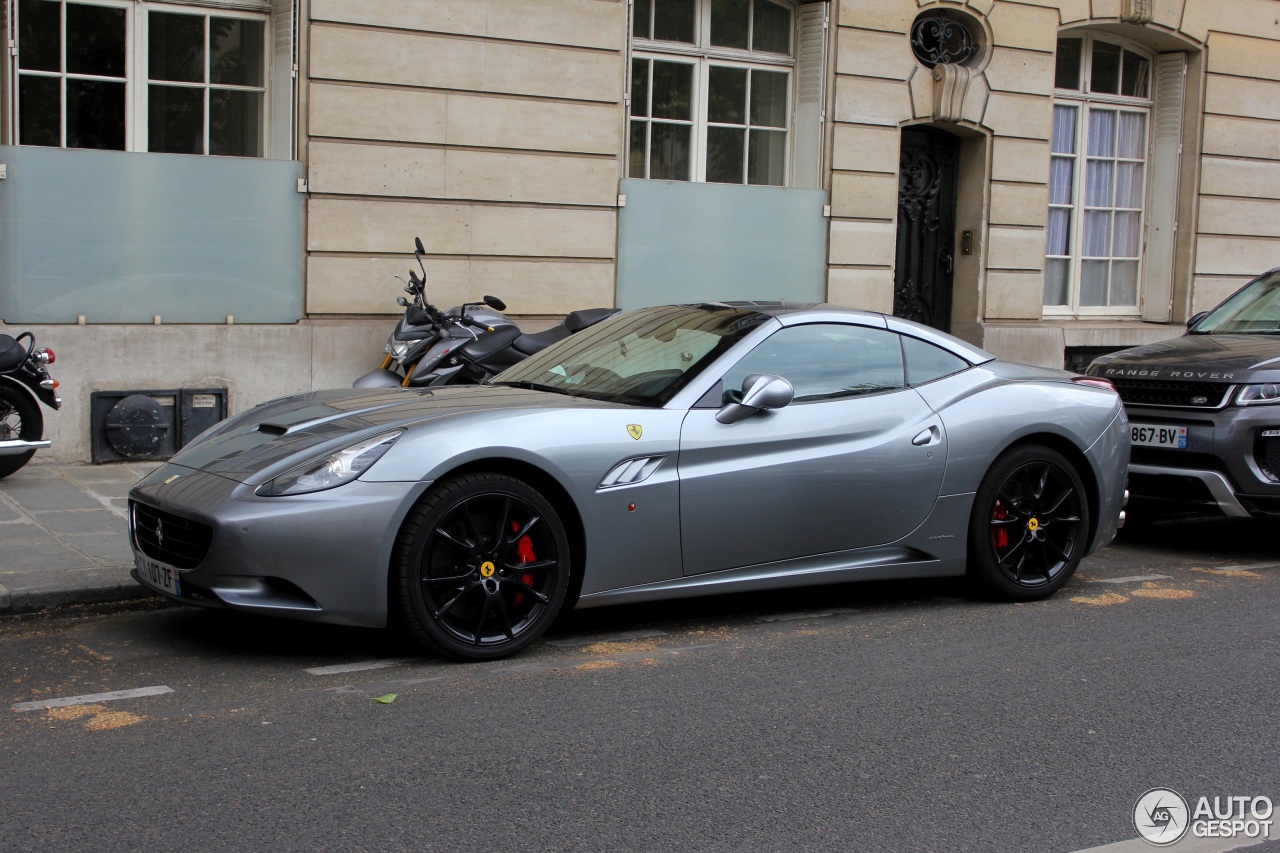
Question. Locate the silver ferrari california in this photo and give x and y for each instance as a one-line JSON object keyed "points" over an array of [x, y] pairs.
{"points": [[666, 452]]}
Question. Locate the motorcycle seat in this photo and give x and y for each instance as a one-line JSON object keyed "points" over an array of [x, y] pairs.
{"points": [[538, 341], [12, 353], [583, 317], [575, 321]]}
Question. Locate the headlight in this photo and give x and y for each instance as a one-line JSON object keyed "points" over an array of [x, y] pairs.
{"points": [[1259, 395], [337, 468], [397, 349]]}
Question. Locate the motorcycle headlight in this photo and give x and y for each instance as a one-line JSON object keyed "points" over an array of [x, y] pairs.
{"points": [[397, 349], [341, 466], [1259, 395]]}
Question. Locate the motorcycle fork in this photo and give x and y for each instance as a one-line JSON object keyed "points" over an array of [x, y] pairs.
{"points": [[386, 362]]}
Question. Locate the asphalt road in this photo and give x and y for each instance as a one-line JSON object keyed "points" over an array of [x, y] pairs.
{"points": [[877, 717]]}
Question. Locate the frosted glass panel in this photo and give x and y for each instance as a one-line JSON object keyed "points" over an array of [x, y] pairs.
{"points": [[686, 242], [120, 237]]}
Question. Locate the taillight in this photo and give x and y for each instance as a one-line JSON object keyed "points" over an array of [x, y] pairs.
{"points": [[1096, 381], [46, 355]]}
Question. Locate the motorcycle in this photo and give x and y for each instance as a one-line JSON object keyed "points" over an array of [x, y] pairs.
{"points": [[24, 374], [466, 344]]}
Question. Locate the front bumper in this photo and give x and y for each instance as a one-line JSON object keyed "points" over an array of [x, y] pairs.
{"points": [[1224, 467], [321, 557]]}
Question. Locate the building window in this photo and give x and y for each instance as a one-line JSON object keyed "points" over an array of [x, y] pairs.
{"points": [[142, 77], [712, 91], [1098, 177]]}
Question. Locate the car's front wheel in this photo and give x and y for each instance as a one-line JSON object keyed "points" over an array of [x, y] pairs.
{"points": [[1030, 523], [481, 567]]}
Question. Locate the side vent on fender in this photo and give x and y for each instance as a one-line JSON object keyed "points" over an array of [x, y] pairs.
{"points": [[631, 471]]}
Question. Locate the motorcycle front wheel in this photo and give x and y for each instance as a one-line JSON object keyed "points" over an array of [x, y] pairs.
{"points": [[20, 418]]}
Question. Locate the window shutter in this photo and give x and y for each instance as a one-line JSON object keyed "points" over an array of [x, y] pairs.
{"points": [[1162, 181], [811, 54], [283, 61]]}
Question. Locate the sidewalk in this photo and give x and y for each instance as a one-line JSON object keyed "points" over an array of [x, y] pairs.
{"points": [[64, 535]]}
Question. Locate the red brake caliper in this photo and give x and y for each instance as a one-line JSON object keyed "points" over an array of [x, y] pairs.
{"points": [[1000, 535], [525, 549]]}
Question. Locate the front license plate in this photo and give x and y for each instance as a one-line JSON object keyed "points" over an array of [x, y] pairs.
{"points": [[1159, 435], [159, 575]]}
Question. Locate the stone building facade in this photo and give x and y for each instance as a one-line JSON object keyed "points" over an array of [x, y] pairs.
{"points": [[1048, 179]]}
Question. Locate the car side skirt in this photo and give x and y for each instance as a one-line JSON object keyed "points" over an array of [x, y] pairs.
{"points": [[881, 563]]}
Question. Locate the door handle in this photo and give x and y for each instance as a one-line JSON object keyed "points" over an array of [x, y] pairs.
{"points": [[930, 435]]}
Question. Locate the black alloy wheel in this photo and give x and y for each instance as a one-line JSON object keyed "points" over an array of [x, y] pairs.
{"points": [[1030, 523], [481, 567], [20, 418]]}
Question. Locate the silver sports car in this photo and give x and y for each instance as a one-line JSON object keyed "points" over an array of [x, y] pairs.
{"points": [[667, 452]]}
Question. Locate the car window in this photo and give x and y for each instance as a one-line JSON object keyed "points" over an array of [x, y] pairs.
{"points": [[1254, 309], [640, 358], [926, 362], [825, 361]]}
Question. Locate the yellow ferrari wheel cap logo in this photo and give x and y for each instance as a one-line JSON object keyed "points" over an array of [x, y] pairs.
{"points": [[635, 430], [1033, 525], [487, 569]]}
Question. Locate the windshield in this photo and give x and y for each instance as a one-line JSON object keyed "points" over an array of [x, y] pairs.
{"points": [[641, 358], [1254, 310]]}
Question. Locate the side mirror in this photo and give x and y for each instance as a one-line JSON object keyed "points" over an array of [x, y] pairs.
{"points": [[1196, 318], [760, 392], [417, 243], [495, 303]]}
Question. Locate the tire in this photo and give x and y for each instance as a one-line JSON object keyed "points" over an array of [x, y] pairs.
{"points": [[464, 590], [19, 418], [1029, 526]]}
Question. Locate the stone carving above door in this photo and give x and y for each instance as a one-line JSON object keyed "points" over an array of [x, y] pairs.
{"points": [[950, 87], [1135, 11]]}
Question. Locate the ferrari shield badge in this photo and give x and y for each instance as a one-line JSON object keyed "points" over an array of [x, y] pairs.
{"points": [[635, 430]]}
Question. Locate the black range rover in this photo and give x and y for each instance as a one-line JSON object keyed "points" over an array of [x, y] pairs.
{"points": [[1205, 410]]}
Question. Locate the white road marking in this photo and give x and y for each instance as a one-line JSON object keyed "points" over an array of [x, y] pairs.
{"points": [[1247, 567], [92, 698], [1132, 579], [385, 663]]}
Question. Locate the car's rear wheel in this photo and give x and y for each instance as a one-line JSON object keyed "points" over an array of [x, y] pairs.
{"points": [[481, 567], [1029, 527]]}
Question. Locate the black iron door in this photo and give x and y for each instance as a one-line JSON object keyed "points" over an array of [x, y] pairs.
{"points": [[926, 227]]}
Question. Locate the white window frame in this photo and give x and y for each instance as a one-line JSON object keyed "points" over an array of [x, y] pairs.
{"points": [[702, 55], [136, 67], [142, 114], [1085, 102]]}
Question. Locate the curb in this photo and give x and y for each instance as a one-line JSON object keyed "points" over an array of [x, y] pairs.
{"points": [[31, 601]]}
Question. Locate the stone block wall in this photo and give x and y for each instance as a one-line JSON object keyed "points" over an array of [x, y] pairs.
{"points": [[492, 129]]}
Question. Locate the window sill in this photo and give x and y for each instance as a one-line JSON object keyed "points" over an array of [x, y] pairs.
{"points": [[1111, 331]]}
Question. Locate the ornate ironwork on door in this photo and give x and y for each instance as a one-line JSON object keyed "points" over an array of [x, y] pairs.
{"points": [[926, 227]]}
